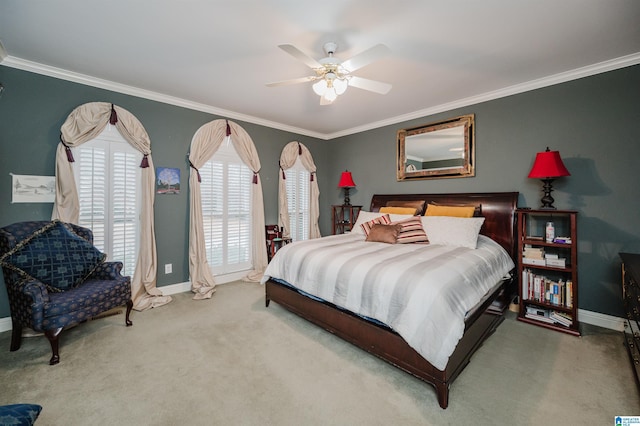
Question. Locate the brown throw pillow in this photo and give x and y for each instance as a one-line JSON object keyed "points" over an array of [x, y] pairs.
{"points": [[418, 205], [384, 233]]}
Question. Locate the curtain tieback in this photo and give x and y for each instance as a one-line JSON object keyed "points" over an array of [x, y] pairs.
{"points": [[284, 176], [113, 118], [228, 128], [197, 171], [311, 174], [68, 151], [145, 162], [255, 177]]}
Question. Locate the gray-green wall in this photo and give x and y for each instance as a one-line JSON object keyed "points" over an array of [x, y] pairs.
{"points": [[595, 124], [591, 121], [32, 109]]}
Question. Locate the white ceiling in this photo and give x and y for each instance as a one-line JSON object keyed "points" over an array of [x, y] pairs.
{"points": [[216, 56]]}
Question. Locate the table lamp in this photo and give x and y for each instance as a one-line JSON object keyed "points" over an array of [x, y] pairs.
{"points": [[548, 166], [346, 182]]}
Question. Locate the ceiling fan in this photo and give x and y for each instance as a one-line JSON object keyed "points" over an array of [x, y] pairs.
{"points": [[332, 76]]}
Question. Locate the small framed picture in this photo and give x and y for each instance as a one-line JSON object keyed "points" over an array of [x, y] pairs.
{"points": [[33, 189], [167, 180]]}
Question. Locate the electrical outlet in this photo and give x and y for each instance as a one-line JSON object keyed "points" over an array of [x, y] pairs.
{"points": [[168, 268]]}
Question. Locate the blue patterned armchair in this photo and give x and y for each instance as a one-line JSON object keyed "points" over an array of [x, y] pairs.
{"points": [[56, 278]]}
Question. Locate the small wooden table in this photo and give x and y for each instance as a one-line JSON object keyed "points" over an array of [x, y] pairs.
{"points": [[274, 244]]}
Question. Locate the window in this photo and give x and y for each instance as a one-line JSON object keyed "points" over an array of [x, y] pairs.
{"points": [[107, 175], [298, 186], [226, 211]]}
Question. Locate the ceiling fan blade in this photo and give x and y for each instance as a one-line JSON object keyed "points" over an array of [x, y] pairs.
{"points": [[292, 81], [365, 58], [370, 85], [300, 55]]}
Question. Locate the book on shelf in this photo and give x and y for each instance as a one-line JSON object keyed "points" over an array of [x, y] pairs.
{"points": [[538, 314], [557, 263], [539, 288], [562, 240], [548, 316], [561, 318], [533, 252], [533, 261]]}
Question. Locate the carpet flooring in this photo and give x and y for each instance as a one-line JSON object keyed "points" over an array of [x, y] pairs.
{"points": [[232, 361]]}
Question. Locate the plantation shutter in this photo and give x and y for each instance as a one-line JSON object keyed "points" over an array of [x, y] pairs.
{"points": [[125, 208], [109, 192], [226, 209], [92, 192], [298, 193], [298, 183]]}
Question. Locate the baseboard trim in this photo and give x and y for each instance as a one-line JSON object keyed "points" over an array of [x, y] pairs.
{"points": [[168, 290], [184, 287], [5, 324], [587, 317], [601, 320]]}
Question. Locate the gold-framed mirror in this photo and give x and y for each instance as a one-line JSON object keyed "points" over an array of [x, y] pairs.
{"points": [[445, 149]]}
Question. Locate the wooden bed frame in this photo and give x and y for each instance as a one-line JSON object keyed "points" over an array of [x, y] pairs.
{"points": [[498, 208]]}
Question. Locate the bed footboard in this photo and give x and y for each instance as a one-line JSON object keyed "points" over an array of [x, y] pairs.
{"points": [[385, 343]]}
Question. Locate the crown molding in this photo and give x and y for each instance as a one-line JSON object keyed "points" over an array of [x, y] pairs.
{"points": [[87, 80], [601, 67], [3, 52]]}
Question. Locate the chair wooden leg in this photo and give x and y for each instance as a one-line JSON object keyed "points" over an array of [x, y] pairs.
{"points": [[16, 336], [54, 339], [129, 307]]}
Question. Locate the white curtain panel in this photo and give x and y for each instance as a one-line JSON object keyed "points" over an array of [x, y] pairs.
{"points": [[85, 123], [288, 157], [204, 144]]}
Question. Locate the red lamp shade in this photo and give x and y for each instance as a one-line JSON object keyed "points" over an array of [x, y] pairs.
{"points": [[548, 164], [346, 180]]}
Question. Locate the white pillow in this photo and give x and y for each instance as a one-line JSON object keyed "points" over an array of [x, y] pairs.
{"points": [[453, 231], [365, 216], [398, 217]]}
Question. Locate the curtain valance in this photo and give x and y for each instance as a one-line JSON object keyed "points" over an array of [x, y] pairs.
{"points": [[85, 123], [204, 144]]}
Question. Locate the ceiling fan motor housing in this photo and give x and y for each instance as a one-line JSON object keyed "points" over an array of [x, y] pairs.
{"points": [[330, 48]]}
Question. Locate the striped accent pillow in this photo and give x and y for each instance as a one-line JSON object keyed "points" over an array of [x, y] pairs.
{"points": [[383, 220], [412, 231]]}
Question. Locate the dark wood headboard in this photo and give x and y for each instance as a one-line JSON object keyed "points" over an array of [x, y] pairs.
{"points": [[498, 209]]}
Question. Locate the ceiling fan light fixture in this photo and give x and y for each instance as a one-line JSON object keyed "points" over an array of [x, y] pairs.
{"points": [[330, 95], [340, 84], [320, 87]]}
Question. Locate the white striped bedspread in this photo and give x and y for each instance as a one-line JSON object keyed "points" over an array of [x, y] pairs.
{"points": [[421, 291]]}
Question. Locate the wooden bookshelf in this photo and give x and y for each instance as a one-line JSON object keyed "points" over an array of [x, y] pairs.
{"points": [[548, 270]]}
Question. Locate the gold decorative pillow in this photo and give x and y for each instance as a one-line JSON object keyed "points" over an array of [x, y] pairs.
{"points": [[451, 211], [384, 233], [398, 210], [384, 220]]}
